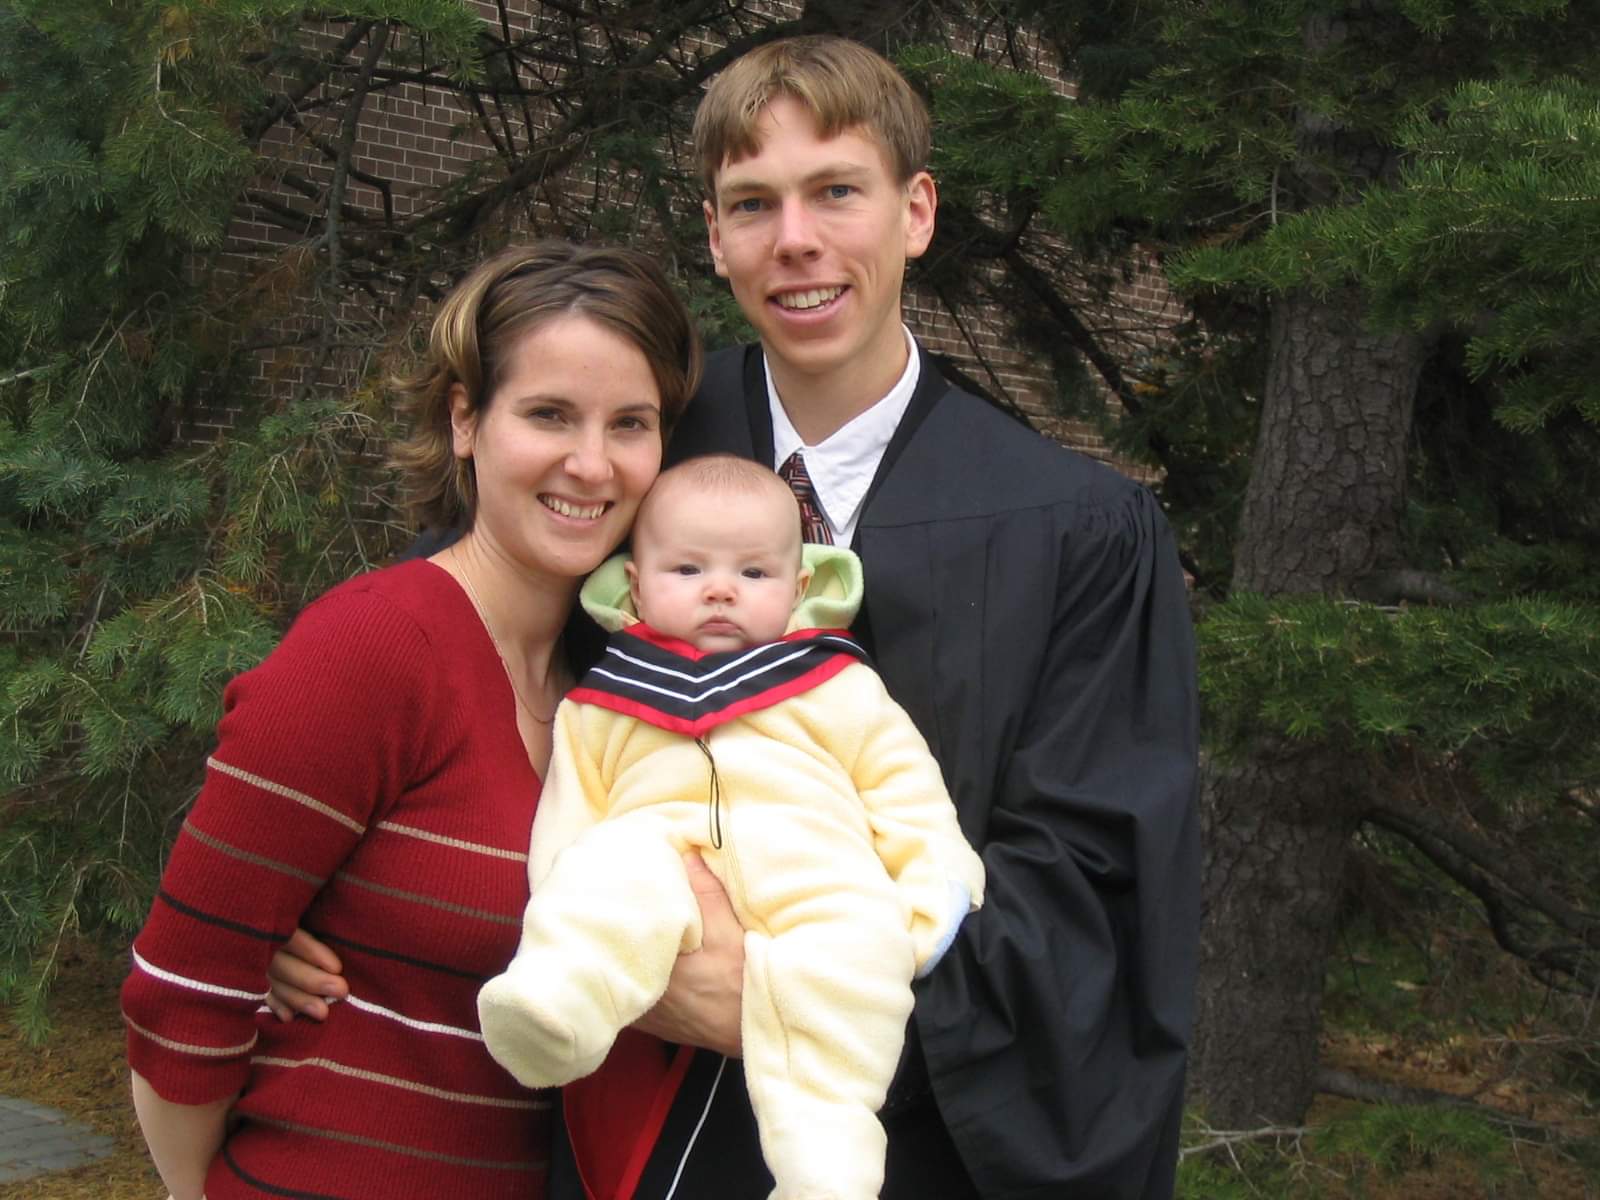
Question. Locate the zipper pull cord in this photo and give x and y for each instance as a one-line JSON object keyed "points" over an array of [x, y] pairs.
{"points": [[716, 795]]}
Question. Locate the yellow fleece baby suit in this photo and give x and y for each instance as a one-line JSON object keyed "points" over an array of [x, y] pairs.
{"points": [[840, 853]]}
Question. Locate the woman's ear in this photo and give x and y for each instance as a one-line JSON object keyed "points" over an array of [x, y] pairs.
{"points": [[463, 421]]}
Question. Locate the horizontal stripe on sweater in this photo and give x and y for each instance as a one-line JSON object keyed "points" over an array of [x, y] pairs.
{"points": [[189, 1047], [409, 1085], [372, 1143], [410, 960], [289, 793], [262, 1185], [429, 901], [194, 985], [255, 860], [439, 839], [199, 914]]}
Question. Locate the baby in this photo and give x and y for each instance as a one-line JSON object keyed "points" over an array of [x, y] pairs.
{"points": [[735, 718]]}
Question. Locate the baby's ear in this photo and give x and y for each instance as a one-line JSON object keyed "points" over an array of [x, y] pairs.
{"points": [[801, 583], [633, 584]]}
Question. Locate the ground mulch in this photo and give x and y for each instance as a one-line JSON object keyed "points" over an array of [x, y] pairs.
{"points": [[81, 1070]]}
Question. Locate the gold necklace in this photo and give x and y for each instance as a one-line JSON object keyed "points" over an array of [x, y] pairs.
{"points": [[477, 605]]}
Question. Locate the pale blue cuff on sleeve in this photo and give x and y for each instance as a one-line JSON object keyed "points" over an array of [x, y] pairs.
{"points": [[959, 902]]}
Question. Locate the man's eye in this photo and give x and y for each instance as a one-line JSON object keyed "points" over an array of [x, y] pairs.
{"points": [[748, 205], [839, 191]]}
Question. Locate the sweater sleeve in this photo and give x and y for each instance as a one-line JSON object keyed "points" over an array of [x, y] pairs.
{"points": [[305, 762], [913, 821]]}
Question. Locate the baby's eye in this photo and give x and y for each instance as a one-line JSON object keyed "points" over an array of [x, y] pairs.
{"points": [[754, 573], [686, 569]]}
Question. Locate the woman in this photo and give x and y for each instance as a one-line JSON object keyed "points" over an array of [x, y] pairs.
{"points": [[375, 778]]}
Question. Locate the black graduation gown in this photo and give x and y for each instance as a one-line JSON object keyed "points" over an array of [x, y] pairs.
{"points": [[1026, 606]]}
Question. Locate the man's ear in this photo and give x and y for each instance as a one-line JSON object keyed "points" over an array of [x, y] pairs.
{"points": [[463, 421], [714, 237], [801, 583], [633, 584], [922, 203]]}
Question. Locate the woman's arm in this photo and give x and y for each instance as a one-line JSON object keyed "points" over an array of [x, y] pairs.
{"points": [[700, 1007], [183, 1138]]}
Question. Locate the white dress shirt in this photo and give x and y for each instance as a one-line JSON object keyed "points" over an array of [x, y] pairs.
{"points": [[842, 465]]}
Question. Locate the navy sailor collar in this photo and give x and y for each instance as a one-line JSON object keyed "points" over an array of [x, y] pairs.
{"points": [[666, 682]]}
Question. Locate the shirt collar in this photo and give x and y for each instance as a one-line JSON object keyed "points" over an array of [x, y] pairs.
{"points": [[843, 464]]}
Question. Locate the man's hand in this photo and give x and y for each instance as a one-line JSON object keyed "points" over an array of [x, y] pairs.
{"points": [[701, 1005], [305, 977]]}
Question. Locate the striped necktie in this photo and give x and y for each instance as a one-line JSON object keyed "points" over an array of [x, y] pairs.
{"points": [[813, 525]]}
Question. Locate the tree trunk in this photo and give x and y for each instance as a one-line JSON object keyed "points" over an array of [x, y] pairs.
{"points": [[1323, 509], [1327, 486], [1276, 831]]}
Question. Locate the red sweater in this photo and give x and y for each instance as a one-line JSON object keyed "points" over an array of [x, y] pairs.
{"points": [[368, 783]]}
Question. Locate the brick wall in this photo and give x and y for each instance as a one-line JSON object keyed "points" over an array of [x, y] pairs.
{"points": [[420, 140]]}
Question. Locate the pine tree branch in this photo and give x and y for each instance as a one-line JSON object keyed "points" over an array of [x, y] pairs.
{"points": [[1407, 585], [19, 376], [515, 68], [1334, 1082], [1227, 1139], [332, 152], [1479, 868], [349, 127], [286, 102]]}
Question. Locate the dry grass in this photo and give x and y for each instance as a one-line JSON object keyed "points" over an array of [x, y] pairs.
{"points": [[81, 1070]]}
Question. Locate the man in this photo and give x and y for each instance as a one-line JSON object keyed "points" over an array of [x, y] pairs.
{"points": [[1027, 607]]}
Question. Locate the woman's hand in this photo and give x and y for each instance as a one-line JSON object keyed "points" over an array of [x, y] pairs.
{"points": [[701, 1004], [305, 977]]}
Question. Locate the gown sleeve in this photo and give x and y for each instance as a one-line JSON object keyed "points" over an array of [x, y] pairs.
{"points": [[1055, 1030]]}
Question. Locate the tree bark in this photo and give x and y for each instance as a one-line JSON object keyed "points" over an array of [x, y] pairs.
{"points": [[1323, 510], [1327, 485], [1276, 831]]}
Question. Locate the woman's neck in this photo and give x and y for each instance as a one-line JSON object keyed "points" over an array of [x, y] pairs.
{"points": [[524, 611]]}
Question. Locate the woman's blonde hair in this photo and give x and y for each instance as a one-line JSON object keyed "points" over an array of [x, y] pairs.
{"points": [[477, 329], [843, 84]]}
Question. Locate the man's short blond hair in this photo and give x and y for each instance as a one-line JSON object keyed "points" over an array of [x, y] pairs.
{"points": [[841, 83]]}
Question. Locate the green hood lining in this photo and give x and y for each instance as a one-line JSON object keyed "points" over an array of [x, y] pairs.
{"points": [[832, 598]]}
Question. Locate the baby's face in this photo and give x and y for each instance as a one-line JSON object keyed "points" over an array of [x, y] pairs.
{"points": [[719, 570]]}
